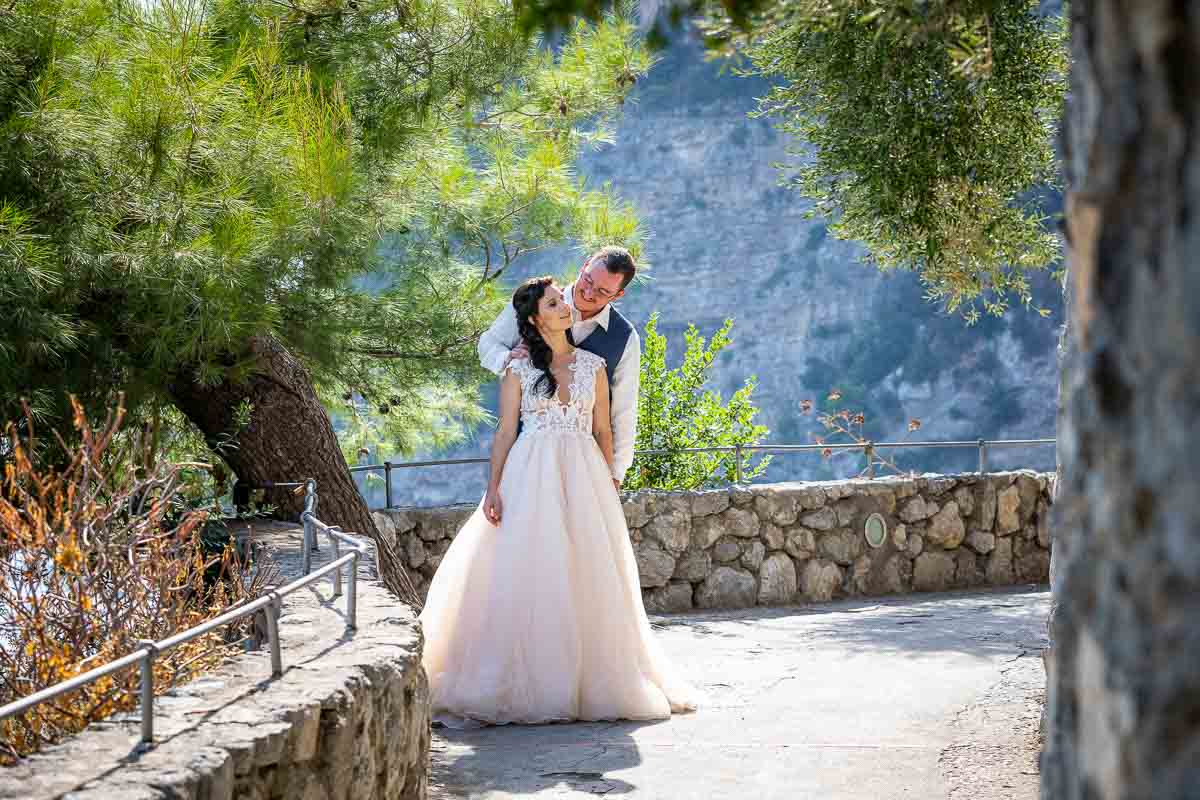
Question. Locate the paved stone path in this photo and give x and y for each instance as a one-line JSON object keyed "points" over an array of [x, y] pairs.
{"points": [[925, 696]]}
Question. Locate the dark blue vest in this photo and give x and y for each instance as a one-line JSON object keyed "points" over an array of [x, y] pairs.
{"points": [[609, 344]]}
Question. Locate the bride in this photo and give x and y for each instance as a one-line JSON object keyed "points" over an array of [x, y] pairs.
{"points": [[535, 613]]}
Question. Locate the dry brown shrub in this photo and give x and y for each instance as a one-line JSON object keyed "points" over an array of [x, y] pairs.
{"points": [[94, 557], [847, 427]]}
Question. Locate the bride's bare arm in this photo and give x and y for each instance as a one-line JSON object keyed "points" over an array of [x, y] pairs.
{"points": [[502, 442], [602, 418]]}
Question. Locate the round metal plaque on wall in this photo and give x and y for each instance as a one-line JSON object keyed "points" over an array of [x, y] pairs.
{"points": [[875, 530]]}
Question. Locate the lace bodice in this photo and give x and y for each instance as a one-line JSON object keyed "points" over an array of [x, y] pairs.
{"points": [[540, 413]]}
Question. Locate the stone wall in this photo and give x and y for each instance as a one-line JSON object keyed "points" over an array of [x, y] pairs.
{"points": [[780, 544], [348, 720]]}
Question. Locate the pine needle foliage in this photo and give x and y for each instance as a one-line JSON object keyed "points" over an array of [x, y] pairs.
{"points": [[350, 177]]}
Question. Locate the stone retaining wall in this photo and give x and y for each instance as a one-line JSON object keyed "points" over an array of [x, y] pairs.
{"points": [[348, 720], [780, 544]]}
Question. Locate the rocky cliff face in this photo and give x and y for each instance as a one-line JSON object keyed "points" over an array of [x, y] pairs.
{"points": [[728, 241]]}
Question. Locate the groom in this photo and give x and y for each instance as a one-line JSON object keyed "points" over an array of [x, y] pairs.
{"points": [[599, 328]]}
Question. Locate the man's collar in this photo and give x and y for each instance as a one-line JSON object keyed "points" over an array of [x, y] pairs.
{"points": [[601, 318]]}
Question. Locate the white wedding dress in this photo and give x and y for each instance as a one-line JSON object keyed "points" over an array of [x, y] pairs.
{"points": [[540, 619]]}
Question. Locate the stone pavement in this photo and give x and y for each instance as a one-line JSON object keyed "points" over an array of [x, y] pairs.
{"points": [[923, 696]]}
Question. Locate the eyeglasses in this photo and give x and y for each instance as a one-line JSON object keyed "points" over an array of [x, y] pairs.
{"points": [[587, 278]]}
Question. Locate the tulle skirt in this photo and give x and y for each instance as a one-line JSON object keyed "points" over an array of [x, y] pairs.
{"points": [[540, 619]]}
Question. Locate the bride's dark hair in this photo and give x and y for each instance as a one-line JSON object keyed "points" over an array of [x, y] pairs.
{"points": [[525, 302]]}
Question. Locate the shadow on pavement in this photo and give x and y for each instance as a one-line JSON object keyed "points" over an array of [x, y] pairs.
{"points": [[527, 759]]}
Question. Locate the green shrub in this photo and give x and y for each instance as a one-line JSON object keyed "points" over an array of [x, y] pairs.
{"points": [[676, 412]]}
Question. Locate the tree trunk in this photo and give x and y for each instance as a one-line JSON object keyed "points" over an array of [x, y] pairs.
{"points": [[1124, 687], [1058, 554], [289, 438]]}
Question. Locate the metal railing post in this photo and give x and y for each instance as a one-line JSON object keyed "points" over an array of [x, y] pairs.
{"points": [[737, 463], [310, 504], [306, 547], [869, 452], [147, 667], [352, 597], [337, 553], [271, 612], [387, 484], [310, 534], [982, 456]]}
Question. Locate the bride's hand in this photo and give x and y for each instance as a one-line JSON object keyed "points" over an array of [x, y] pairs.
{"points": [[492, 507]]}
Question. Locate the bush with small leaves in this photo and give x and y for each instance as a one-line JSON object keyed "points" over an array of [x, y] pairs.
{"points": [[924, 130], [676, 412]]}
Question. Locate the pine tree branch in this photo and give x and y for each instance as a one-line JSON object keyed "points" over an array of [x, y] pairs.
{"points": [[498, 126], [388, 353], [509, 258], [508, 214], [503, 112]]}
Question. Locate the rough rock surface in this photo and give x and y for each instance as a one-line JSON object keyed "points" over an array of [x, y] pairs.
{"points": [[1008, 504], [946, 528], [693, 566], [981, 542], [727, 587], [676, 596], [654, 566], [820, 580], [933, 572], [777, 581]]}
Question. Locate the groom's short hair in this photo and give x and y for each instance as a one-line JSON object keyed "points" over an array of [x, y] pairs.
{"points": [[618, 260]]}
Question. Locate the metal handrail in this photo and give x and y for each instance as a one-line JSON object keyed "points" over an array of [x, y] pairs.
{"points": [[868, 449], [269, 604]]}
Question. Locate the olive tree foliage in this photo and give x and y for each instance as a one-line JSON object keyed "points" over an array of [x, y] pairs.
{"points": [[923, 129], [350, 178]]}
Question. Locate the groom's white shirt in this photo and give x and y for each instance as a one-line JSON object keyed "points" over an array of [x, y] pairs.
{"points": [[499, 340]]}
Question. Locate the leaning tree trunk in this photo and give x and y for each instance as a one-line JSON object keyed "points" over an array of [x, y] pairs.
{"points": [[1124, 687], [289, 438]]}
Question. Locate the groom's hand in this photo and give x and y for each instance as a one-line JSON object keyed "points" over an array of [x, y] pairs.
{"points": [[518, 352]]}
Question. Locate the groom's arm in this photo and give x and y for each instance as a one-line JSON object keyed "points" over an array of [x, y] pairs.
{"points": [[499, 340], [626, 378]]}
